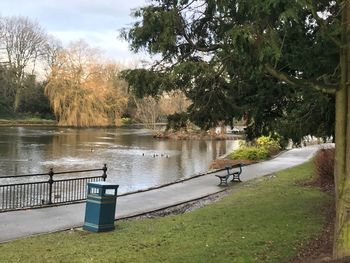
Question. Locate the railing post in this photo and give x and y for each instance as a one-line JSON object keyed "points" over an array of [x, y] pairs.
{"points": [[51, 173], [104, 175]]}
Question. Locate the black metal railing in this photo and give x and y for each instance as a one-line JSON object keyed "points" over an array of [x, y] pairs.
{"points": [[43, 192]]}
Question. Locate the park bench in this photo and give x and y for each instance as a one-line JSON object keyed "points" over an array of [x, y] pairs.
{"points": [[231, 170]]}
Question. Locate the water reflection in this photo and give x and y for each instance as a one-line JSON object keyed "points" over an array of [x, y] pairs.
{"points": [[135, 160]]}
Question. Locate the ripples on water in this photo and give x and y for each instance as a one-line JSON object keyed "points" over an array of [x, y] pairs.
{"points": [[134, 159]]}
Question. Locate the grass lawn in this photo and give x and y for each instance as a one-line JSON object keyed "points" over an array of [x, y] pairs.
{"points": [[265, 220]]}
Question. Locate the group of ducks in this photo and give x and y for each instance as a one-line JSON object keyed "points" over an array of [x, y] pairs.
{"points": [[156, 155], [143, 154]]}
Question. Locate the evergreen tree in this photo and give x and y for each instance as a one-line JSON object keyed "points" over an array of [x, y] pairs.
{"points": [[216, 55], [7, 91], [264, 58]]}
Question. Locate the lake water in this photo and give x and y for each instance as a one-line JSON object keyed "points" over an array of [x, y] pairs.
{"points": [[128, 153]]}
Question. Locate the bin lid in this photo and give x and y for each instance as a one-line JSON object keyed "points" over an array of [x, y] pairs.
{"points": [[103, 185]]}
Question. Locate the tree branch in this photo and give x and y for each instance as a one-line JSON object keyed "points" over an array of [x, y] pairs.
{"points": [[322, 24], [317, 85], [195, 46], [198, 48]]}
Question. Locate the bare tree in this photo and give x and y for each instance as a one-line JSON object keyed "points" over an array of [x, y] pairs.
{"points": [[147, 111], [22, 44], [51, 51], [174, 101], [83, 90]]}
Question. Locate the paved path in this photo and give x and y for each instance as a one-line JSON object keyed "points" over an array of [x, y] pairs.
{"points": [[18, 224]]}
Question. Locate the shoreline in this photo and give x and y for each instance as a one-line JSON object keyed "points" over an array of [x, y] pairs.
{"points": [[27, 122], [197, 135]]}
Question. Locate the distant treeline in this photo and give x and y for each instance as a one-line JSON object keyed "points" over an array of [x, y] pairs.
{"points": [[75, 85]]}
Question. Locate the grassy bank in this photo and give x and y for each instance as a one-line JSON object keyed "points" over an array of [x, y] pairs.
{"points": [[26, 121], [265, 220]]}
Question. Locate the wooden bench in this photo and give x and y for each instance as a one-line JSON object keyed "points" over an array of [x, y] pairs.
{"points": [[230, 171]]}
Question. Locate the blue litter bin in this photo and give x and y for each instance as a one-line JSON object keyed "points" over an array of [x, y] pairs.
{"points": [[100, 207]]}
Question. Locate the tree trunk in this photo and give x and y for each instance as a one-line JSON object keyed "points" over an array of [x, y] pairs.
{"points": [[341, 247], [17, 101]]}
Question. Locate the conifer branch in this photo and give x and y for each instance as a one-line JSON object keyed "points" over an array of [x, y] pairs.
{"points": [[315, 84]]}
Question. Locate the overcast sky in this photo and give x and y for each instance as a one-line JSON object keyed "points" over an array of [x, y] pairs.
{"points": [[96, 21]]}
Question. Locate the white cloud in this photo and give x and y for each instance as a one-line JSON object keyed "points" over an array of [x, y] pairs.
{"points": [[112, 47], [97, 22]]}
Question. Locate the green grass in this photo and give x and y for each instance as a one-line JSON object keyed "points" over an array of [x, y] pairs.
{"points": [[27, 121], [265, 220]]}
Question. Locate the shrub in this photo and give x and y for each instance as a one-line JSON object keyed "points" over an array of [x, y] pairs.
{"points": [[265, 146], [324, 166], [125, 121], [272, 145], [250, 153]]}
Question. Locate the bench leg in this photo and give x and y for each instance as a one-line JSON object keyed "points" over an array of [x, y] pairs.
{"points": [[236, 177], [223, 180]]}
